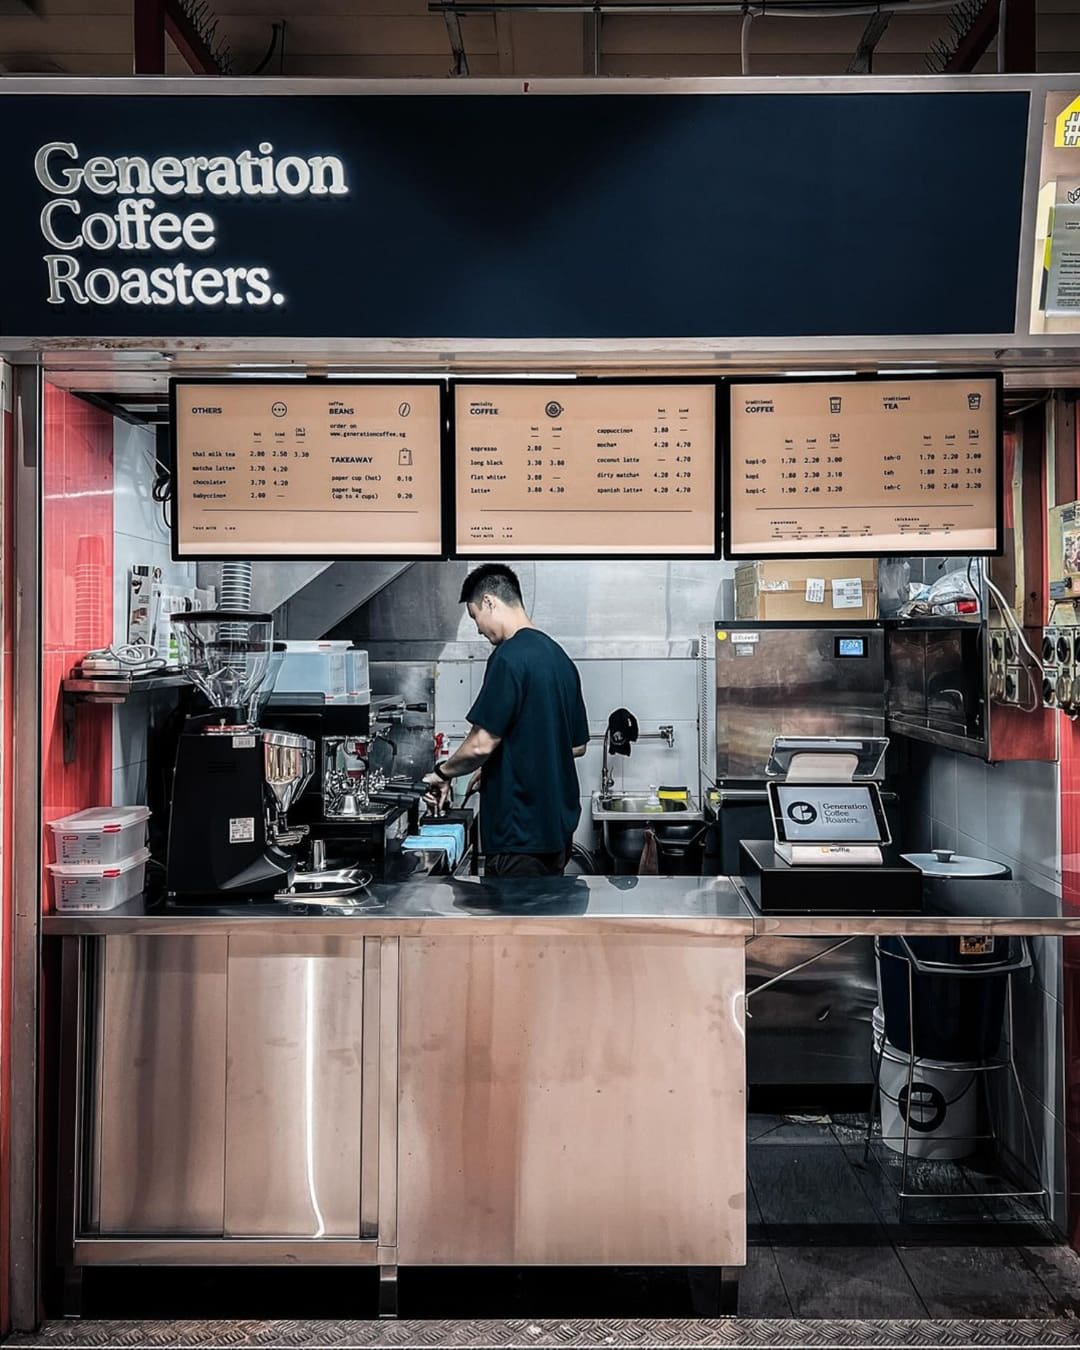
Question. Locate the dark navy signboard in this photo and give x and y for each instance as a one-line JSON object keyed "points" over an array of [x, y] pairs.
{"points": [[519, 216]]}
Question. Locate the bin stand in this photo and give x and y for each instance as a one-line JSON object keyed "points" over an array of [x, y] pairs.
{"points": [[913, 963]]}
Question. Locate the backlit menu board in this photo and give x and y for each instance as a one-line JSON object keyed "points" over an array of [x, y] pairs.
{"points": [[881, 466], [586, 469], [307, 470]]}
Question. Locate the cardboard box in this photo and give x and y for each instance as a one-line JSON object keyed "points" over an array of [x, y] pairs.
{"points": [[807, 589]]}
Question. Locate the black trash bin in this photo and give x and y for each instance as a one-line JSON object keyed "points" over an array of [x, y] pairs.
{"points": [[959, 1005], [680, 848]]}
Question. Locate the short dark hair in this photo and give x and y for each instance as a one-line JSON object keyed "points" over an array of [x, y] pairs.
{"points": [[492, 579]]}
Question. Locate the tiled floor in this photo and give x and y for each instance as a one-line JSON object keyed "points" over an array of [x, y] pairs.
{"points": [[825, 1243], [826, 1239]]}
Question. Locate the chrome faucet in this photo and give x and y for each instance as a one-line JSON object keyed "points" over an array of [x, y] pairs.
{"points": [[607, 778]]}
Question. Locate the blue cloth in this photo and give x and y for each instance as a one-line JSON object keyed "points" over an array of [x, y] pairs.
{"points": [[413, 843], [452, 831]]}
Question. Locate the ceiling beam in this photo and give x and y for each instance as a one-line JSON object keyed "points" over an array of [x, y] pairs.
{"points": [[148, 37], [189, 42], [152, 20], [975, 41]]}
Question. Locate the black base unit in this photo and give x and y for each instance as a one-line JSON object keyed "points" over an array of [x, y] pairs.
{"points": [[778, 888]]}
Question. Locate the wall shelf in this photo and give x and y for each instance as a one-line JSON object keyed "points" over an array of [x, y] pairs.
{"points": [[105, 689]]}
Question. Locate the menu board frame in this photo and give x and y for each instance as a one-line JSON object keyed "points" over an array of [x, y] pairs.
{"points": [[834, 548], [446, 483], [459, 550]]}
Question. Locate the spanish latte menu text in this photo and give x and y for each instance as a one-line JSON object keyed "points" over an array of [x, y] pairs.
{"points": [[303, 470], [585, 469], [868, 466]]}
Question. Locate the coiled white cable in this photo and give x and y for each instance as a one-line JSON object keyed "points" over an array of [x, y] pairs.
{"points": [[129, 655]]}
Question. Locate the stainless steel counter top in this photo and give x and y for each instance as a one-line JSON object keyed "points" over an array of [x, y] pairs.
{"points": [[711, 906], [950, 905]]}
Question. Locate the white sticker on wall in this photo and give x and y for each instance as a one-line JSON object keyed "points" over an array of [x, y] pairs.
{"points": [[847, 593], [815, 590], [746, 637], [773, 586]]}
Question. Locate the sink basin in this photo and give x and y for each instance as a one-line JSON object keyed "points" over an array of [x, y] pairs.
{"points": [[626, 806], [623, 818], [640, 806]]}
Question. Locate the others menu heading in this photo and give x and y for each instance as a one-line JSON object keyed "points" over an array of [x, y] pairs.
{"points": [[883, 466], [585, 469], [298, 470]]}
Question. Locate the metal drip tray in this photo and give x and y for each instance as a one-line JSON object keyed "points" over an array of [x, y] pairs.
{"points": [[315, 887], [370, 815]]}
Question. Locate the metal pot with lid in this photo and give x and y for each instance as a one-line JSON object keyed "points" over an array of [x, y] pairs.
{"points": [[944, 862]]}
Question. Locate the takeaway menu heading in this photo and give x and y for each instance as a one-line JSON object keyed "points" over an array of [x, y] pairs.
{"points": [[141, 208]]}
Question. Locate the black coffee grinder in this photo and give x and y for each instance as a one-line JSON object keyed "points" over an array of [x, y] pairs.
{"points": [[234, 782]]}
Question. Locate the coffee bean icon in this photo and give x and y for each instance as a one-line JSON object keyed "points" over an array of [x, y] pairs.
{"points": [[404, 409]]}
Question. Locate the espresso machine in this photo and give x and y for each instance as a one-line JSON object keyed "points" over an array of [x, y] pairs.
{"points": [[355, 814], [235, 780]]}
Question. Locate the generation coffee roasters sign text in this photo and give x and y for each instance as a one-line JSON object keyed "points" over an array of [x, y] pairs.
{"points": [[137, 216]]}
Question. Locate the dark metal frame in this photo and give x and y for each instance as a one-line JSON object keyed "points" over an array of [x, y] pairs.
{"points": [[834, 548], [980, 1072], [445, 477], [25, 806], [458, 550]]}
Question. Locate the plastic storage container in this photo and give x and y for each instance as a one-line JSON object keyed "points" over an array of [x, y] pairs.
{"points": [[334, 669], [83, 888], [940, 1108], [100, 834], [956, 1016]]}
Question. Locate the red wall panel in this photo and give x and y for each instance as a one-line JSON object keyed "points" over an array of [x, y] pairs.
{"points": [[77, 589]]}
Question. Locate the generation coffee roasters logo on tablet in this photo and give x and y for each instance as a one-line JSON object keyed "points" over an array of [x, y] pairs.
{"points": [[138, 207], [802, 813]]}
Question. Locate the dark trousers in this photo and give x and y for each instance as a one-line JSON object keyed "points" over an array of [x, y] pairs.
{"points": [[527, 864]]}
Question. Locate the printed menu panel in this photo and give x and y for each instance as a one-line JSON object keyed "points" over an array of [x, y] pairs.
{"points": [[886, 466], [307, 470], [604, 469], [1055, 291]]}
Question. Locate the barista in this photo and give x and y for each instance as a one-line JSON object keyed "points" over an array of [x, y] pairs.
{"points": [[528, 727]]}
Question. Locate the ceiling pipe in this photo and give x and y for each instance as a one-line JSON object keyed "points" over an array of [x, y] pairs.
{"points": [[457, 42], [862, 62]]}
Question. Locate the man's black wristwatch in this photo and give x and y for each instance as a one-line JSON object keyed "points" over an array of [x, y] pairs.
{"points": [[439, 774]]}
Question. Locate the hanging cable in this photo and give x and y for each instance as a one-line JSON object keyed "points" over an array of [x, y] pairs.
{"points": [[744, 41], [269, 56]]}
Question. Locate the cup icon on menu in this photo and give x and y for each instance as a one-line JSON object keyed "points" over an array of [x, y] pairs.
{"points": [[405, 457], [834, 403], [974, 402]]}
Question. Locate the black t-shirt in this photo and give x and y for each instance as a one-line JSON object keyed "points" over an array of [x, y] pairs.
{"points": [[531, 698]]}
